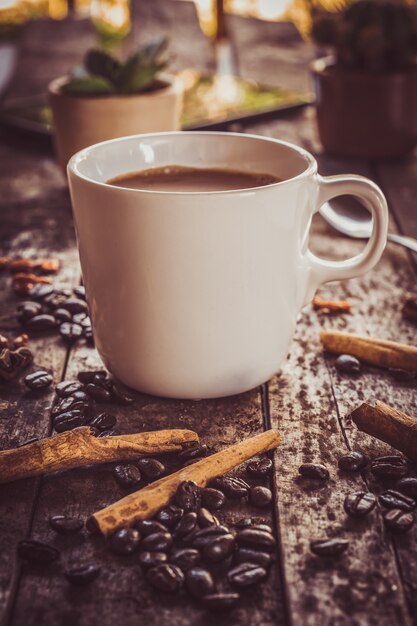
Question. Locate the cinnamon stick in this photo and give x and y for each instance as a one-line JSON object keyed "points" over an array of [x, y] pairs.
{"points": [[379, 352], [147, 501], [394, 427], [331, 306], [78, 447]]}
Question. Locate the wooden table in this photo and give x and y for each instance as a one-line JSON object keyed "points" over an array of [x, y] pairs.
{"points": [[375, 581]]}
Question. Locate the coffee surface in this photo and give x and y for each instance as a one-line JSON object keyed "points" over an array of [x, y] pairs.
{"points": [[179, 178]]}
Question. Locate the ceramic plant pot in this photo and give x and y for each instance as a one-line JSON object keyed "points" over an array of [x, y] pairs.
{"points": [[371, 116], [81, 121]]}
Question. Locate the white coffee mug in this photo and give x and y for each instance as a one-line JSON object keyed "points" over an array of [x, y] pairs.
{"points": [[196, 294]]}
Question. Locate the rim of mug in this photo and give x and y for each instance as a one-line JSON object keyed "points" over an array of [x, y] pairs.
{"points": [[80, 156]]}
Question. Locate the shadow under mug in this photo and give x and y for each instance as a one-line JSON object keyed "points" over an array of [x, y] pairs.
{"points": [[196, 294]]}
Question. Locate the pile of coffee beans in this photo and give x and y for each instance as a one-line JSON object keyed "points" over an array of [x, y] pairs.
{"points": [[185, 548], [49, 309], [78, 401], [398, 501]]}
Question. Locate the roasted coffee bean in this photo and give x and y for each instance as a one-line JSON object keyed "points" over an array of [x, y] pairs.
{"points": [[98, 393], [41, 322], [219, 548], [348, 364], [170, 515], [259, 468], [62, 315], [81, 395], [403, 376], [220, 601], [202, 537], [193, 453], [408, 486], [83, 574], [75, 305], [260, 496], [70, 332], [127, 475], [186, 525], [40, 291], [120, 395], [67, 388], [88, 335], [392, 499], [188, 496], [107, 433], [329, 547], [79, 292], [149, 527], [352, 461], [38, 380], [151, 468], [27, 310], [70, 420], [244, 522], [314, 470], [78, 318], [86, 323], [392, 466], [398, 521], [55, 300], [36, 551], [65, 524], [157, 542], [89, 377], [70, 403], [205, 518], [166, 577], [124, 540], [185, 558], [246, 555], [103, 381], [245, 575], [199, 582], [256, 539], [103, 421], [212, 498], [152, 559], [233, 487], [264, 527], [360, 503]]}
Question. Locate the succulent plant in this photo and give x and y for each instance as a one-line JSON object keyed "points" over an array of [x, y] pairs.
{"points": [[103, 74], [370, 35]]}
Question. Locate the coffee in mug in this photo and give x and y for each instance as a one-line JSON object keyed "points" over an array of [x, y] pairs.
{"points": [[198, 179]]}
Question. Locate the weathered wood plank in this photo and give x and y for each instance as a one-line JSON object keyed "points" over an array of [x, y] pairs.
{"points": [[307, 404], [36, 220], [399, 181], [120, 592]]}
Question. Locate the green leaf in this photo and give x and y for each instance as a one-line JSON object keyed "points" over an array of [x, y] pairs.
{"points": [[153, 50], [88, 86], [139, 78], [100, 63]]}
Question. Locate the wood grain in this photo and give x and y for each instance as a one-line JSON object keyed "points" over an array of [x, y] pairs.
{"points": [[374, 583]]}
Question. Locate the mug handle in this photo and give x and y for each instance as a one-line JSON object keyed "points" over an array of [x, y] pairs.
{"points": [[322, 270]]}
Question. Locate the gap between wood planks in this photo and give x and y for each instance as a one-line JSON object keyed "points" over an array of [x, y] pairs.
{"points": [[14, 588]]}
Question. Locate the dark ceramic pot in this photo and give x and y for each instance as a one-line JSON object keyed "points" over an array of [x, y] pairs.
{"points": [[371, 116]]}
